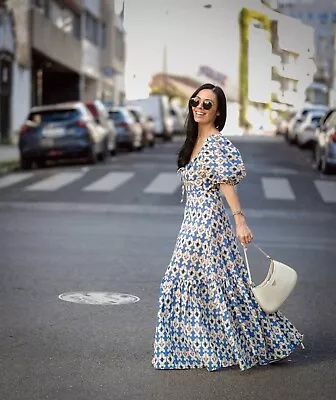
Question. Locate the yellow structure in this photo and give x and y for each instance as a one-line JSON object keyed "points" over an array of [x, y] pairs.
{"points": [[245, 18]]}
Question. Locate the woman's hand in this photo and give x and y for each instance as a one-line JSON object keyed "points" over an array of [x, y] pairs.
{"points": [[243, 233]]}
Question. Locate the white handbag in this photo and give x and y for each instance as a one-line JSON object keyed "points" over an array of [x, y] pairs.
{"points": [[276, 287]]}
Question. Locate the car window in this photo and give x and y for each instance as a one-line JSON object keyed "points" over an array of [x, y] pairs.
{"points": [[316, 120], [135, 115], [326, 117], [130, 117], [53, 115], [117, 116], [331, 120]]}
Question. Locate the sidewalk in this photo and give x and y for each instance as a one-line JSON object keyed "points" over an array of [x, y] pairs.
{"points": [[8, 153]]}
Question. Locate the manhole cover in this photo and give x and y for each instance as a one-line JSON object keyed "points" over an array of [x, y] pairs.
{"points": [[99, 298]]}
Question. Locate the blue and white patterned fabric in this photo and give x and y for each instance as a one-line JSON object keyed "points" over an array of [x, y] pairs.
{"points": [[207, 314]]}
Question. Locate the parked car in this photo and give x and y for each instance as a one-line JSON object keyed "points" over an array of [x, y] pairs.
{"points": [[282, 124], [325, 143], [146, 123], [178, 119], [157, 106], [105, 124], [129, 132], [298, 118], [305, 135], [60, 131]]}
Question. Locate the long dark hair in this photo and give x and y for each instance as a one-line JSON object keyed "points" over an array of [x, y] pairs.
{"points": [[192, 127]]}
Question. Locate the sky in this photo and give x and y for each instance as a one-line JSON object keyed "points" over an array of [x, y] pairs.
{"points": [[192, 34]]}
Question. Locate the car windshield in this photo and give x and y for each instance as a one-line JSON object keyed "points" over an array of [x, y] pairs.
{"points": [[117, 116], [53, 115], [316, 120]]}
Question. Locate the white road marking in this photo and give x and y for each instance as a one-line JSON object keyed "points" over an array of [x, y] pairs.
{"points": [[327, 190], [109, 182], [56, 181], [12, 179], [277, 189], [164, 183]]}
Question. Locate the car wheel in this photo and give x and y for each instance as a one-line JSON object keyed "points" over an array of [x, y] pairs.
{"points": [[105, 152], [92, 155], [316, 157], [26, 163], [325, 167], [41, 163], [131, 147]]}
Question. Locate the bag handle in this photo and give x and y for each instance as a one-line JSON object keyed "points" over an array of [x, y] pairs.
{"points": [[247, 263]]}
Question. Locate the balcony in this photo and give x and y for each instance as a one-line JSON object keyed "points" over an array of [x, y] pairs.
{"points": [[54, 43]]}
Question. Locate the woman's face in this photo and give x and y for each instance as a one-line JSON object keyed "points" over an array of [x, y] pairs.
{"points": [[201, 114]]}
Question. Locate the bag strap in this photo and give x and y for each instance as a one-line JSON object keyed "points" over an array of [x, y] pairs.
{"points": [[247, 263]]}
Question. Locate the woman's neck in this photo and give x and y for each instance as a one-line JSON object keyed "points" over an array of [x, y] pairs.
{"points": [[204, 131]]}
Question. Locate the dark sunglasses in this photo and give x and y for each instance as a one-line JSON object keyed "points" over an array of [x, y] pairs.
{"points": [[195, 102]]}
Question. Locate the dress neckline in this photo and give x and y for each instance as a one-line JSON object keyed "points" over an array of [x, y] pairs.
{"points": [[201, 149]]}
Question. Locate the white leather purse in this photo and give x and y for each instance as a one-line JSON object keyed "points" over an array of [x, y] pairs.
{"points": [[276, 287]]}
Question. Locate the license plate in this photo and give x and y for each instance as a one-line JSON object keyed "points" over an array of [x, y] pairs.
{"points": [[47, 142], [53, 132]]}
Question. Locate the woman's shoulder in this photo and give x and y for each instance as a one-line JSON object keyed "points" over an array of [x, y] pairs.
{"points": [[221, 142]]}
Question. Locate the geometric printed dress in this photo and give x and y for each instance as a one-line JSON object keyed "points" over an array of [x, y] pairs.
{"points": [[208, 317]]}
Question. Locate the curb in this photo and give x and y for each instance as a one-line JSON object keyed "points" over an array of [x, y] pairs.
{"points": [[9, 166]]}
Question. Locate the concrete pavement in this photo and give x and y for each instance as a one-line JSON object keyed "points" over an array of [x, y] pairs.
{"points": [[66, 239], [9, 153]]}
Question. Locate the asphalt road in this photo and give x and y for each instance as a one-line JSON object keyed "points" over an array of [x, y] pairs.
{"points": [[120, 239]]}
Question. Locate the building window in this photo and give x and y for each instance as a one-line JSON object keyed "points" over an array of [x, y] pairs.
{"points": [[56, 14], [323, 18], [120, 47], [103, 35], [64, 18], [42, 6], [91, 28]]}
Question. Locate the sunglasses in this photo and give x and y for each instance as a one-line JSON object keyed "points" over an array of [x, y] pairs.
{"points": [[196, 101]]}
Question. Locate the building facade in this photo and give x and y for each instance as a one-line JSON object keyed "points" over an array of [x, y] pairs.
{"points": [[321, 15], [66, 50]]}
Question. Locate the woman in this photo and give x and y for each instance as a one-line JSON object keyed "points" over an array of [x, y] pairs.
{"points": [[207, 315]]}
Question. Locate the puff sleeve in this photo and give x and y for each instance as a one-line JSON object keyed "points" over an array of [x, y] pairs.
{"points": [[226, 162]]}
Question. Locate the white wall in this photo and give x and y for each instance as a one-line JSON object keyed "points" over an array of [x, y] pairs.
{"points": [[91, 59], [21, 97]]}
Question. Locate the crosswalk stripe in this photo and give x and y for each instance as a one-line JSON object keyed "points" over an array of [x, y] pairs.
{"points": [[164, 183], [327, 190], [277, 189], [56, 181], [109, 182], [12, 179]]}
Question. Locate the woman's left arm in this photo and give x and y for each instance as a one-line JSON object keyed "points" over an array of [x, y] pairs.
{"points": [[243, 232]]}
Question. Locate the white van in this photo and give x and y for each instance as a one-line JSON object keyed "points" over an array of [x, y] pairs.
{"points": [[157, 106]]}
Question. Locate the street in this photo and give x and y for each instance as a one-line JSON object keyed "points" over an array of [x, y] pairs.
{"points": [[112, 227]]}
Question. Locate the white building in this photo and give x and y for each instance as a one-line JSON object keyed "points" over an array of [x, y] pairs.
{"points": [[321, 15], [177, 27]]}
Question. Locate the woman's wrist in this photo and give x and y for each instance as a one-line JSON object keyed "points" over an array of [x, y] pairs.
{"points": [[239, 218]]}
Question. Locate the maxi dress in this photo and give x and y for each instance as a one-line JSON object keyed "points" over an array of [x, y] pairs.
{"points": [[207, 314]]}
